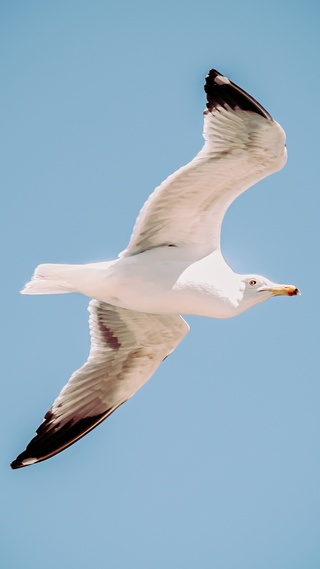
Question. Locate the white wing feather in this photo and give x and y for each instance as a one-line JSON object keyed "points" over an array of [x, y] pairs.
{"points": [[241, 147], [126, 349]]}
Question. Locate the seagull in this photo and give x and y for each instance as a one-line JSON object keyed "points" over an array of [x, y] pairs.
{"points": [[173, 265]]}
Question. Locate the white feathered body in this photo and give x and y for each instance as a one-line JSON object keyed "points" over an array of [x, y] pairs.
{"points": [[159, 281], [173, 265]]}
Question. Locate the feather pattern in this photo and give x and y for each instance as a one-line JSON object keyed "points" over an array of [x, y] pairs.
{"points": [[242, 146], [126, 349]]}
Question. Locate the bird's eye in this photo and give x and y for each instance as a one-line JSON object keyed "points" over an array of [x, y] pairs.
{"points": [[252, 282]]}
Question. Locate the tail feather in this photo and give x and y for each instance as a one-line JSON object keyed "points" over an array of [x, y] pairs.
{"points": [[50, 279]]}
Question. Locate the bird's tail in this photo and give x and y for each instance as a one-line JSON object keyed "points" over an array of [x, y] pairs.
{"points": [[51, 279]]}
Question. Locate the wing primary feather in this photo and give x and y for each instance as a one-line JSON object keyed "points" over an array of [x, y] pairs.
{"points": [[51, 440], [221, 92]]}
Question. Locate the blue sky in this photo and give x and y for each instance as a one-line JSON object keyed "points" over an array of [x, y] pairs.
{"points": [[215, 462]]}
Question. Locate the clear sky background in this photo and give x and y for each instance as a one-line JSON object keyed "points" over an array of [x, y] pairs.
{"points": [[215, 462]]}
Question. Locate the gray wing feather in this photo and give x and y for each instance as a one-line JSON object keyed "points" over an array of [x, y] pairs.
{"points": [[126, 349], [242, 145]]}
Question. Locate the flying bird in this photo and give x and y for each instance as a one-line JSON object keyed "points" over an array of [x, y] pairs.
{"points": [[173, 265]]}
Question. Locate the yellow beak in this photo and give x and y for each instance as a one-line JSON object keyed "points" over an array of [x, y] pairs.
{"points": [[281, 289]]}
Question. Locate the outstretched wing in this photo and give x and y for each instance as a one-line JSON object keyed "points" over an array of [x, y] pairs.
{"points": [[242, 145], [126, 349]]}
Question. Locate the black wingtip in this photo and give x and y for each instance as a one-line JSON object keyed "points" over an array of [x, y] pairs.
{"points": [[50, 440], [21, 461], [221, 91]]}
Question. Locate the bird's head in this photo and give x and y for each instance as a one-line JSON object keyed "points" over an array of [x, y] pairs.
{"points": [[257, 289]]}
